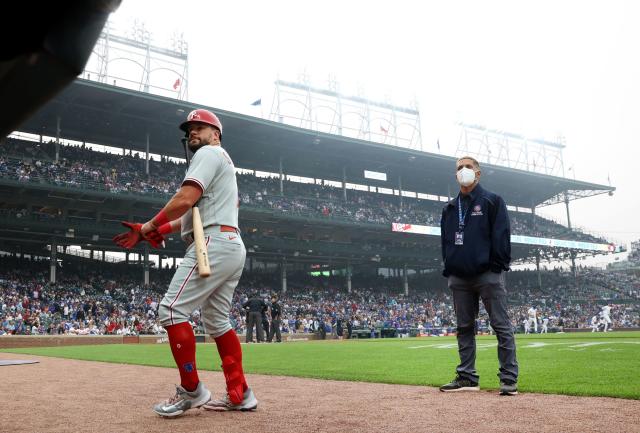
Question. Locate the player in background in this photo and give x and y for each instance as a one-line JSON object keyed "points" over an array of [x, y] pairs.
{"points": [[606, 317], [545, 323], [533, 318], [595, 323]]}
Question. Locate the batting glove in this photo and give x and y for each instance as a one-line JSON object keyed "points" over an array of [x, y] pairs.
{"points": [[134, 236], [131, 238], [155, 239]]}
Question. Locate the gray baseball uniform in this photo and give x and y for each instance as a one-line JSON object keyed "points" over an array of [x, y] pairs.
{"points": [[213, 171]]}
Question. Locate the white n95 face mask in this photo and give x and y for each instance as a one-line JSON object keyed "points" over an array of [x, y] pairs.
{"points": [[466, 176]]}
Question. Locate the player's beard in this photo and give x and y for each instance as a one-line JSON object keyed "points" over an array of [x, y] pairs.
{"points": [[195, 145]]}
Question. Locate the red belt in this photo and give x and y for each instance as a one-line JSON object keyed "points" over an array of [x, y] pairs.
{"points": [[228, 229]]}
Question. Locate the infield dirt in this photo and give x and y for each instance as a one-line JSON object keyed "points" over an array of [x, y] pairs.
{"points": [[61, 395]]}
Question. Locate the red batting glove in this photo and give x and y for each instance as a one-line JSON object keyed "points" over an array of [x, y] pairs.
{"points": [[155, 239], [131, 238]]}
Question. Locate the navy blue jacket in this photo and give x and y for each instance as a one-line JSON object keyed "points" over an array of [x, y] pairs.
{"points": [[487, 236]]}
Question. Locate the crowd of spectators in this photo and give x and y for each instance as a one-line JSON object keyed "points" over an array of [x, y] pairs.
{"points": [[82, 167], [83, 301], [109, 300]]}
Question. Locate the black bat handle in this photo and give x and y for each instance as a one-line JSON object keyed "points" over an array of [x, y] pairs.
{"points": [[186, 150]]}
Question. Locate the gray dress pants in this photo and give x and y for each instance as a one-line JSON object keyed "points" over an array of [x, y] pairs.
{"points": [[467, 292]]}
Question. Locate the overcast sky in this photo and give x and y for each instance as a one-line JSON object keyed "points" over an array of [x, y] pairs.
{"points": [[541, 69]]}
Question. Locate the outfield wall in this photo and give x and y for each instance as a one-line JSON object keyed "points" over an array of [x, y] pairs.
{"points": [[589, 329], [17, 341]]}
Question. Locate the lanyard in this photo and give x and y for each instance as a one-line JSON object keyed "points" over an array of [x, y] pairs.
{"points": [[461, 215]]}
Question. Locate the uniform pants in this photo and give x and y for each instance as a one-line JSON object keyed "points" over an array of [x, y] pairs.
{"points": [[490, 287], [254, 318], [214, 294], [275, 329]]}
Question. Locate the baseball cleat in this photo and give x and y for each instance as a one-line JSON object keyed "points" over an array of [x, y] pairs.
{"points": [[182, 401], [460, 384], [249, 402], [508, 388]]}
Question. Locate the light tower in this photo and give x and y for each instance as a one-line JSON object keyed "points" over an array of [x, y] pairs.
{"points": [[130, 59], [327, 110], [511, 150]]}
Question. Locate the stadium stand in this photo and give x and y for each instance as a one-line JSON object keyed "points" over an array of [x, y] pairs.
{"points": [[109, 299], [323, 225], [84, 168]]}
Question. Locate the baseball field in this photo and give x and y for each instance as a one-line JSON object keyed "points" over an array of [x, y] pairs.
{"points": [[579, 364]]}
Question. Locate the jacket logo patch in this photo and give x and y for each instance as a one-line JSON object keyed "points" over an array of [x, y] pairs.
{"points": [[477, 211]]}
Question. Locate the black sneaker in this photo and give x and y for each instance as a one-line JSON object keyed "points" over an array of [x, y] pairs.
{"points": [[508, 387], [460, 384]]}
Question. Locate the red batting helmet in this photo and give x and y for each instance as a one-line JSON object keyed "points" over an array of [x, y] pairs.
{"points": [[202, 116]]}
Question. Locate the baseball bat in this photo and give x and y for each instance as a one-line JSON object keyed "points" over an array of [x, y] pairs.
{"points": [[204, 270]]}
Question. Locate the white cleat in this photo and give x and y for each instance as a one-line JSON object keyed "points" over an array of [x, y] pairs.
{"points": [[249, 402], [182, 401]]}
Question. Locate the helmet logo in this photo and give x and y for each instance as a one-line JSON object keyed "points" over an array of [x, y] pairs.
{"points": [[194, 115]]}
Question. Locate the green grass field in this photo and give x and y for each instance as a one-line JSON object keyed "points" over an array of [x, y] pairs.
{"points": [[575, 364]]}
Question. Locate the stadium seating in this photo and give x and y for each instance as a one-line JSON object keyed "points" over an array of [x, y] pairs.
{"points": [[83, 168], [107, 299]]}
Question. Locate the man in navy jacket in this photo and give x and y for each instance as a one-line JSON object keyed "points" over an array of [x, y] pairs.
{"points": [[476, 250]]}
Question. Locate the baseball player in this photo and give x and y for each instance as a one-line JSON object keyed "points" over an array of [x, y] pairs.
{"points": [[595, 324], [606, 317], [210, 182], [533, 318], [545, 324]]}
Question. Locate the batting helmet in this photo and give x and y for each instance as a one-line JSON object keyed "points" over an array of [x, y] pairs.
{"points": [[202, 116]]}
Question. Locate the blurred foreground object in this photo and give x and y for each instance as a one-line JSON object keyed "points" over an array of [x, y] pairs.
{"points": [[45, 47]]}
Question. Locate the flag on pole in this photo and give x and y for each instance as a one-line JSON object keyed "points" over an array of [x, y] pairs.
{"points": [[176, 84], [257, 102]]}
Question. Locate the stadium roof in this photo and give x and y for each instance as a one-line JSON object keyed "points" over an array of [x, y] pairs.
{"points": [[104, 114]]}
